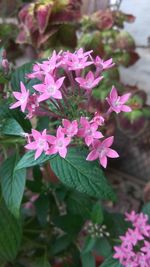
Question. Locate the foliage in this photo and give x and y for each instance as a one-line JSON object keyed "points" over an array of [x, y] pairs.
{"points": [[52, 209]]}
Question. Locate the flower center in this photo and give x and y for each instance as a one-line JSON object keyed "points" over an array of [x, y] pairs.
{"points": [[23, 99], [51, 90], [41, 143], [60, 143]]}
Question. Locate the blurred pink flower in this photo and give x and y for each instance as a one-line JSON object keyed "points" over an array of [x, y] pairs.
{"points": [[21, 97], [70, 128], [89, 81], [117, 103]]}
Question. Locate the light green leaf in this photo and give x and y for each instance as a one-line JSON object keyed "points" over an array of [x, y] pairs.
{"points": [[81, 175], [28, 160], [12, 127], [12, 185]]}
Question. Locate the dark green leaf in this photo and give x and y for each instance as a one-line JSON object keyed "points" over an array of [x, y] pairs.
{"points": [[12, 184], [41, 262], [42, 208], [116, 224], [69, 223], [60, 244], [81, 175], [10, 234], [28, 160], [78, 203], [20, 75]]}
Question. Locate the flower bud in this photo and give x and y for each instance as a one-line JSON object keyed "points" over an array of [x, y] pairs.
{"points": [[5, 65]]}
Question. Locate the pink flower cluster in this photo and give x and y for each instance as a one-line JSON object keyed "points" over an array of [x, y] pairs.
{"points": [[66, 81], [134, 250]]}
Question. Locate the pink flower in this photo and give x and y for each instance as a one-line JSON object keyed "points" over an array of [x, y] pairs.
{"points": [[48, 66], [77, 63], [103, 65], [88, 131], [119, 253], [102, 150], [49, 88], [146, 248], [70, 128], [21, 97], [132, 242], [32, 105], [81, 54], [132, 237], [59, 143], [131, 217], [117, 102], [39, 144], [89, 81], [98, 119], [36, 72]]}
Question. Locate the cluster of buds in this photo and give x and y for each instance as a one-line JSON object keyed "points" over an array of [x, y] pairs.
{"points": [[96, 230], [134, 250], [66, 81]]}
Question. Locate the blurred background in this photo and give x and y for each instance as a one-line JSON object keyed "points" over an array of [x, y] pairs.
{"points": [[111, 28]]}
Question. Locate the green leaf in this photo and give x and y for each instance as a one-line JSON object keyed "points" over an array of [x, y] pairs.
{"points": [[102, 247], [10, 234], [81, 175], [28, 160], [20, 75], [12, 185], [42, 208], [12, 127], [78, 203], [110, 262], [89, 244], [69, 223], [97, 214], [88, 260], [116, 224], [60, 244], [15, 115]]}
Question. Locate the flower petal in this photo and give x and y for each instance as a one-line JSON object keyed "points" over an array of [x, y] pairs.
{"points": [[112, 153], [93, 155], [103, 161]]}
